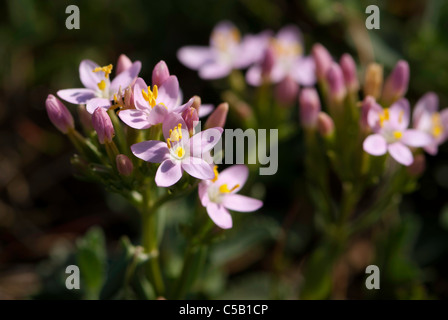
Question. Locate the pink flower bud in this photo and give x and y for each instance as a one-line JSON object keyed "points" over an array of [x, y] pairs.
{"points": [[322, 59], [286, 91], [336, 84], [160, 73], [103, 125], [325, 125], [196, 103], [348, 67], [309, 107], [396, 84], [123, 63], [268, 61], [124, 165], [373, 81], [218, 116], [191, 118], [59, 114]]}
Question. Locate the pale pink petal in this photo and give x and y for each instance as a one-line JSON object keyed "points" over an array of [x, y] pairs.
{"points": [[432, 149], [399, 114], [375, 144], [125, 78], [219, 215], [290, 34], [89, 78], [135, 118], [169, 92], [304, 71], [198, 168], [94, 103], [205, 110], [140, 102], [241, 203], [214, 70], [415, 138], [194, 56], [373, 116], [235, 175], [251, 49], [157, 114], [77, 96], [204, 141], [151, 151], [181, 108], [253, 75], [172, 120], [203, 192], [428, 103], [168, 173], [401, 153]]}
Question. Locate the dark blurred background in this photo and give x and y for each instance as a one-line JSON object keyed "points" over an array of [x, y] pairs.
{"points": [[44, 208]]}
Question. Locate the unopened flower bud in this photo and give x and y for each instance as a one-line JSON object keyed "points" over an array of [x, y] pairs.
{"points": [[286, 91], [268, 61], [129, 97], [322, 59], [348, 67], [59, 114], [396, 84], [103, 125], [309, 107], [325, 125], [336, 84], [373, 80], [418, 166], [191, 118], [123, 63], [124, 165], [218, 116], [160, 73], [85, 118], [196, 103]]}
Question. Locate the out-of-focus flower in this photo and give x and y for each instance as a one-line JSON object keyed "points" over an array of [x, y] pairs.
{"points": [[227, 51], [286, 91], [160, 73], [322, 59], [373, 80], [152, 106], [218, 195], [336, 83], [348, 67], [426, 118], [287, 50], [103, 125], [124, 165], [391, 133], [99, 90], [59, 115], [325, 125], [369, 103], [309, 106], [218, 117], [397, 83], [123, 63], [179, 152]]}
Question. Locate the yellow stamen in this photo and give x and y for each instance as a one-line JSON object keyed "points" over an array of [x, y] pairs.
{"points": [[175, 135], [400, 116], [384, 116], [180, 152], [225, 189], [151, 96], [106, 69], [168, 142], [437, 128], [286, 49], [102, 85], [398, 134], [215, 170]]}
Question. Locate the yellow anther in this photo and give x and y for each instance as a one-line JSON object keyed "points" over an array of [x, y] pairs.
{"points": [[215, 170], [168, 143], [115, 98], [180, 152], [102, 85], [151, 95], [224, 189], [176, 133], [437, 128], [106, 69], [398, 134], [384, 116]]}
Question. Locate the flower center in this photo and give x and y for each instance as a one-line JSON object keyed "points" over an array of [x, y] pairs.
{"points": [[151, 96], [286, 49], [437, 128], [216, 193], [225, 189], [384, 116], [175, 143], [225, 39]]}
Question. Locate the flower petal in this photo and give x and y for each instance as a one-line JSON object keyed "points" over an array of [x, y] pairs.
{"points": [[401, 153], [428, 103], [169, 92], [194, 57], [304, 71], [181, 108], [125, 78], [172, 120], [232, 176], [140, 102], [198, 168], [289, 34], [77, 96], [94, 103], [168, 173], [134, 118], [203, 192], [219, 215], [205, 110], [241, 203], [375, 144], [399, 114], [157, 114], [415, 138], [204, 141], [214, 70], [151, 151], [89, 78], [251, 49]]}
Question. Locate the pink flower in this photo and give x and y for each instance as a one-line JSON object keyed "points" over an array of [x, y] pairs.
{"points": [[152, 106], [287, 49], [391, 133], [180, 152], [225, 53], [98, 89], [427, 119], [219, 195]]}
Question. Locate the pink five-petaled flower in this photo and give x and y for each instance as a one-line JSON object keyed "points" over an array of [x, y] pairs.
{"points": [[225, 53], [391, 134], [99, 90], [287, 49], [152, 106], [219, 194], [179, 152], [427, 119]]}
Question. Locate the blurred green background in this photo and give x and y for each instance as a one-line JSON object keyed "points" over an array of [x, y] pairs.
{"points": [[44, 208]]}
